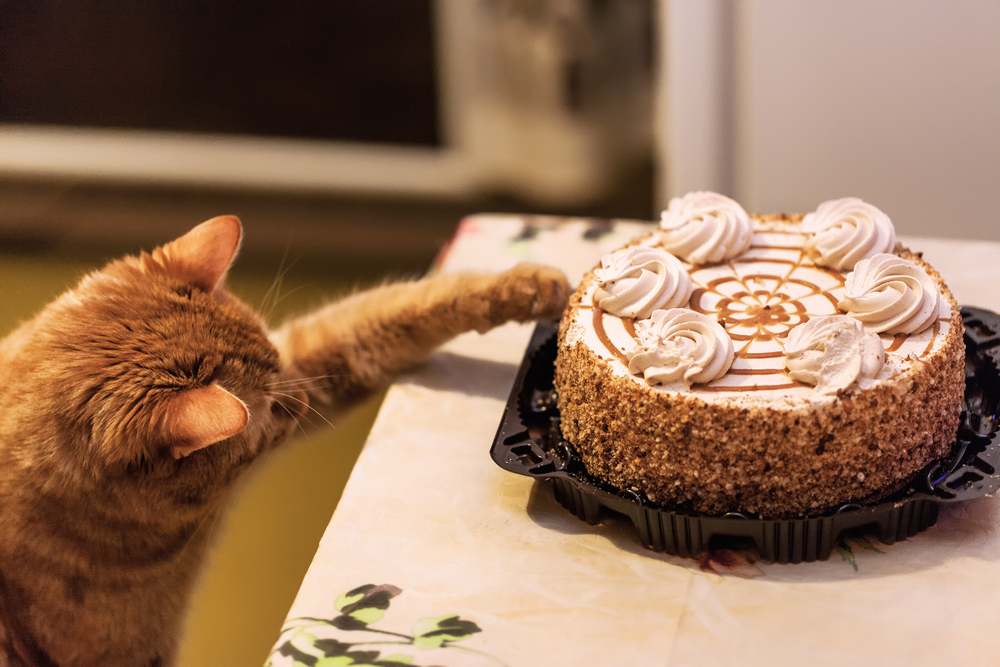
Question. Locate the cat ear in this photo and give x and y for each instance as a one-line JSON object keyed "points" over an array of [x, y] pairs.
{"points": [[201, 417], [203, 256]]}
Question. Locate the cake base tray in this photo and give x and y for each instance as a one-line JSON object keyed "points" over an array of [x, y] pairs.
{"points": [[530, 443]]}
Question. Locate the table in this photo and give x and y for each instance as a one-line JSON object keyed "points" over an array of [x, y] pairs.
{"points": [[437, 557]]}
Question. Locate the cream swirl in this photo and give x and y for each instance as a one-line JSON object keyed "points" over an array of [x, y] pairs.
{"points": [[889, 294], [832, 353], [633, 282], [705, 227], [846, 231], [681, 345]]}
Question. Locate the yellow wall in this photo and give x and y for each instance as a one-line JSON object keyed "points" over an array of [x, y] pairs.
{"points": [[267, 542]]}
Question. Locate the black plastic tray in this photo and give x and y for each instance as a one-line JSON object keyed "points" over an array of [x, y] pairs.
{"points": [[530, 443]]}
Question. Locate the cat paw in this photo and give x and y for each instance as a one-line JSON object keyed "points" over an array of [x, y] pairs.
{"points": [[531, 292]]}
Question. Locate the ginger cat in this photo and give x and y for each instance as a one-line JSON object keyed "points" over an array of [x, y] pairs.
{"points": [[131, 403]]}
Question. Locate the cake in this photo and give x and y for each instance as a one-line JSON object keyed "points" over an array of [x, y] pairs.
{"points": [[773, 365]]}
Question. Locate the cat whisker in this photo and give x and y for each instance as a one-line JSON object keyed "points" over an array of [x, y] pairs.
{"points": [[272, 297], [278, 299], [313, 377], [297, 388], [306, 405], [305, 386], [294, 417], [305, 381], [277, 276], [308, 388], [285, 383]]}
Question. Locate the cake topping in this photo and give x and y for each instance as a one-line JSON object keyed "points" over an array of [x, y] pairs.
{"points": [[705, 227], [832, 353], [890, 294], [633, 282], [681, 345], [846, 231]]}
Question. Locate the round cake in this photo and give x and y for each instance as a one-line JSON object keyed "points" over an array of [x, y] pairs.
{"points": [[776, 365]]}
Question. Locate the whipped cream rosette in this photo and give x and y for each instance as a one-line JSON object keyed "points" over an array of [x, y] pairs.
{"points": [[892, 295], [832, 353], [705, 228], [633, 282], [681, 345], [847, 230], [762, 396]]}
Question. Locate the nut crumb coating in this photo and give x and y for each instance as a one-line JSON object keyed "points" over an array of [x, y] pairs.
{"points": [[716, 457]]}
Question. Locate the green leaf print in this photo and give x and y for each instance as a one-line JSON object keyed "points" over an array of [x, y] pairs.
{"points": [[331, 647], [363, 606], [367, 615], [847, 554], [358, 610], [368, 595], [350, 598], [298, 656], [435, 632]]}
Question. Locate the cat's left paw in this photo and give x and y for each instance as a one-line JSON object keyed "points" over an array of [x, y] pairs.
{"points": [[532, 291]]}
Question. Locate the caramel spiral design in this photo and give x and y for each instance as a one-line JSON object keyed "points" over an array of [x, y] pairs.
{"points": [[759, 297]]}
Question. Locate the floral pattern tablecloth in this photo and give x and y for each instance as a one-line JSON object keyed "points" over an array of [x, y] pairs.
{"points": [[437, 557]]}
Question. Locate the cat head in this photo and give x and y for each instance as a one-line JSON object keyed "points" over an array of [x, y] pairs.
{"points": [[150, 366]]}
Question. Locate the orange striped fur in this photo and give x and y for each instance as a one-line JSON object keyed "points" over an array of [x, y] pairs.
{"points": [[130, 404]]}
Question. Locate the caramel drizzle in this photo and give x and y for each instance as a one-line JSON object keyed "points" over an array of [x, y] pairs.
{"points": [[930, 343], [770, 260], [755, 246], [629, 324], [897, 342], [743, 354], [752, 387], [602, 336], [759, 317], [756, 371]]}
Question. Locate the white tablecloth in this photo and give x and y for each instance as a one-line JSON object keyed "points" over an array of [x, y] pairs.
{"points": [[472, 565]]}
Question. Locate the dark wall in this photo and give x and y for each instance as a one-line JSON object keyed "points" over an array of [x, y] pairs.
{"points": [[360, 71]]}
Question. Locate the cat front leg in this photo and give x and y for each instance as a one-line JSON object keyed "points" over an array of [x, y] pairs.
{"points": [[359, 344]]}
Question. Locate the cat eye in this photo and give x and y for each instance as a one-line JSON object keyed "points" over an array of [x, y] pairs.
{"points": [[184, 291]]}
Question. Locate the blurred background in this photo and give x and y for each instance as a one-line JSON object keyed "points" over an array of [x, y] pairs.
{"points": [[351, 137]]}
